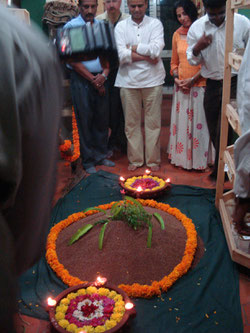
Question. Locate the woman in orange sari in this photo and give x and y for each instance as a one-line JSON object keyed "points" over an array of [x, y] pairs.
{"points": [[189, 142]]}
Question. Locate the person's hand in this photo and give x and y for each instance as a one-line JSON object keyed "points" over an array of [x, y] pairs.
{"points": [[152, 61], [202, 43], [177, 81], [186, 84], [101, 91], [98, 81]]}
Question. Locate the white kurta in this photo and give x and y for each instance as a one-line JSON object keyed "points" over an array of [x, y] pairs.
{"points": [[242, 145]]}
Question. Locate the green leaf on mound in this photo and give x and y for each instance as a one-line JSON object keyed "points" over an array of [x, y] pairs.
{"points": [[101, 235], [149, 240], [101, 222], [160, 220], [80, 232]]}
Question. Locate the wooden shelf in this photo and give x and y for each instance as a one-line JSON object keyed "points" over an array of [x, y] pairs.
{"points": [[238, 246], [233, 117], [229, 161], [240, 4], [234, 60]]}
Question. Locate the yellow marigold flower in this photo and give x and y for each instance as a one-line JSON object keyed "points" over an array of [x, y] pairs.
{"points": [[81, 291], [91, 290], [112, 294], [104, 292], [71, 295], [72, 328], [117, 298], [80, 329], [100, 329], [119, 309], [116, 316], [65, 301], [110, 324], [89, 329], [120, 303], [63, 323], [59, 316], [62, 308]]}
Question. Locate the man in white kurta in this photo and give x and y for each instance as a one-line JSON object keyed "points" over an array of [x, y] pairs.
{"points": [[141, 75], [242, 147]]}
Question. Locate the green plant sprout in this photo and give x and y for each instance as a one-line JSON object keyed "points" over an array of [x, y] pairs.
{"points": [[131, 211]]}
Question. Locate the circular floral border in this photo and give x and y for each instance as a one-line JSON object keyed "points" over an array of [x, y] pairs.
{"points": [[136, 289], [112, 310], [129, 182]]}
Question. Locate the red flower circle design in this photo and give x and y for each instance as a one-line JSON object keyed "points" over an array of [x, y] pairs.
{"points": [[195, 143], [93, 310], [145, 183], [174, 129], [179, 148], [178, 107], [191, 114]]}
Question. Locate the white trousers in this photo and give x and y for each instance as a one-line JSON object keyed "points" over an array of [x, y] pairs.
{"points": [[132, 102]]}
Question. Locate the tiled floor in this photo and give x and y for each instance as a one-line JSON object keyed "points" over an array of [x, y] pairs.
{"points": [[178, 176]]}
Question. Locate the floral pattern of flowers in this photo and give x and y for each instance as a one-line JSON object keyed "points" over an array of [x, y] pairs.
{"points": [[178, 107], [191, 114], [195, 143], [136, 289], [179, 148], [199, 126], [195, 94], [174, 129], [146, 182], [90, 309]]}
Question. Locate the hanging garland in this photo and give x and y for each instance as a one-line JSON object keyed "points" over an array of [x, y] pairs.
{"points": [[65, 147]]}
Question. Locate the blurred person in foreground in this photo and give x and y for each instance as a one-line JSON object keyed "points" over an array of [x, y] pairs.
{"points": [[88, 82], [189, 144], [206, 46], [242, 148], [31, 102], [117, 139], [141, 74]]}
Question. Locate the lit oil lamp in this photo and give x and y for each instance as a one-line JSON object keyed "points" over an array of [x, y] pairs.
{"points": [[122, 179], [139, 189], [148, 172], [167, 180], [51, 301], [100, 281], [129, 306]]}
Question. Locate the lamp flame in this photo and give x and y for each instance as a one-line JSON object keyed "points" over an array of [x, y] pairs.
{"points": [[122, 179], [51, 301], [100, 281], [129, 306], [167, 180], [148, 172], [139, 189]]}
